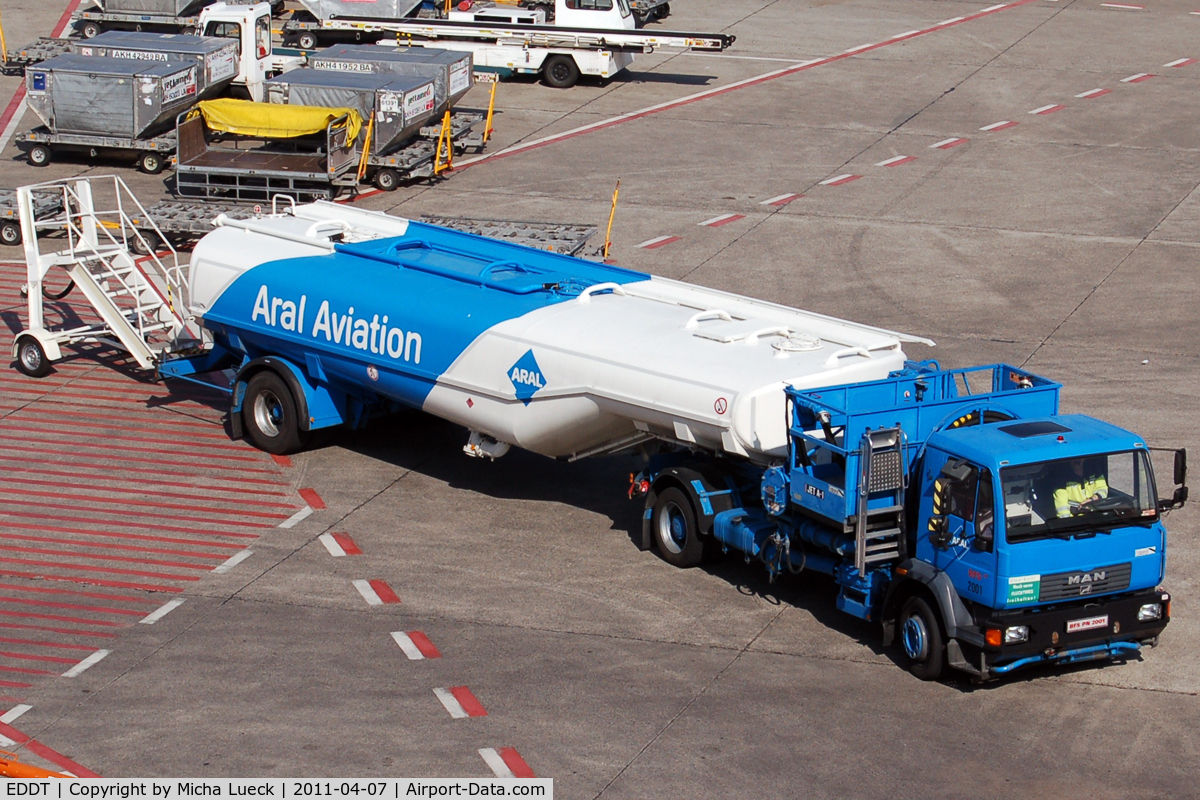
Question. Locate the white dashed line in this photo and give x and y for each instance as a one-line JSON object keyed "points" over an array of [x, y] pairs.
{"points": [[90, 661], [160, 612], [296, 518], [233, 561], [10, 716]]}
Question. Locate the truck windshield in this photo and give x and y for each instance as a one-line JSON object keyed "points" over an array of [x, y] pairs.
{"points": [[1077, 495], [624, 6]]}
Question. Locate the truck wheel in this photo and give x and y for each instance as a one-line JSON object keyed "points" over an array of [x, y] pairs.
{"points": [[922, 639], [10, 234], [664, 11], [675, 530], [560, 72], [146, 244], [31, 358], [387, 179], [91, 30], [307, 41], [151, 163], [269, 415], [39, 155]]}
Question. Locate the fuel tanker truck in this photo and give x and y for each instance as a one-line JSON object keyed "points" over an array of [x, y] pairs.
{"points": [[957, 508]]}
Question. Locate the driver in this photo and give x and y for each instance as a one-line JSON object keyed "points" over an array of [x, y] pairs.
{"points": [[1085, 484]]}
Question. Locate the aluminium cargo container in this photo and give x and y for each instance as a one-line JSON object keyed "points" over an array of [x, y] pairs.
{"points": [[215, 57], [450, 70]]}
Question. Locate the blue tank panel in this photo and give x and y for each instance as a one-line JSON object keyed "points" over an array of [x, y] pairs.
{"points": [[391, 315]]}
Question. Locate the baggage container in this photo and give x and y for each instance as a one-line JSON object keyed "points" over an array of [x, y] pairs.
{"points": [[400, 105], [215, 57], [450, 70], [111, 96], [163, 8], [360, 9]]}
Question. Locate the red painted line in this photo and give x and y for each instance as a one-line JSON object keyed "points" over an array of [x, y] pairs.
{"points": [[384, 591], [424, 645], [183, 447], [896, 161], [15, 685], [12, 106], [1183, 62], [42, 411], [998, 126], [468, 701], [109, 451], [11, 699], [211, 503], [724, 220], [54, 757], [76, 593], [135, 514], [105, 570], [347, 544], [134, 612], [152, 562], [841, 180], [63, 631], [662, 241], [122, 547], [1094, 93], [720, 90], [204, 480], [61, 618], [205, 508], [1047, 110], [948, 143], [89, 521], [109, 427], [282, 461], [313, 499], [26, 671], [143, 587], [141, 537], [514, 761], [36, 643], [51, 659]]}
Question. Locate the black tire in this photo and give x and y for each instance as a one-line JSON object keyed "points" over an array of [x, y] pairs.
{"points": [[664, 11], [10, 234], [307, 41], [31, 358], [387, 179], [151, 163], [673, 526], [147, 244], [91, 29], [560, 71], [269, 415], [922, 639], [39, 155]]}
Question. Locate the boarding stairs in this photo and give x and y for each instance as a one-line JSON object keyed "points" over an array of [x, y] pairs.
{"points": [[879, 530], [141, 301]]}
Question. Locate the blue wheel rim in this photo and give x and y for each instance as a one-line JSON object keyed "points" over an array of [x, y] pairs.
{"points": [[915, 638]]}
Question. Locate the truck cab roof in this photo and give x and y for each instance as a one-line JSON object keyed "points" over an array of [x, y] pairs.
{"points": [[1027, 441]]}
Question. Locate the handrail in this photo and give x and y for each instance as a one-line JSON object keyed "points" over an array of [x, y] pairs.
{"points": [[833, 359], [248, 225], [774, 330], [704, 316], [585, 296]]}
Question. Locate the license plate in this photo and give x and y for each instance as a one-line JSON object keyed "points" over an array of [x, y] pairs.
{"points": [[1077, 625]]}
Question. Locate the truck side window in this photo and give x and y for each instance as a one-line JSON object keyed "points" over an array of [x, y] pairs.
{"points": [[227, 30], [962, 496], [262, 36], [590, 5], [985, 514]]}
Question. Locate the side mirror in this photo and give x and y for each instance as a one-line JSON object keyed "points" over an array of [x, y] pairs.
{"points": [[956, 469], [938, 535], [1181, 466], [1180, 497], [984, 536]]}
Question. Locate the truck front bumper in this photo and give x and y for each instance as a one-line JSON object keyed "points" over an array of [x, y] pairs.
{"points": [[1101, 629]]}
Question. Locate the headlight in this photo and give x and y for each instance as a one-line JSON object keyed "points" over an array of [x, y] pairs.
{"points": [[1150, 611], [1016, 634]]}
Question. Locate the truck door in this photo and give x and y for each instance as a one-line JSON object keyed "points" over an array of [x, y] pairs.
{"points": [[962, 517]]}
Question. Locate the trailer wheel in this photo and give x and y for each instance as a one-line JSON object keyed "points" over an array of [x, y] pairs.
{"points": [[675, 531], [10, 234], [91, 29], [39, 155], [146, 244], [151, 163], [31, 358], [922, 639], [269, 415], [387, 179], [307, 41], [560, 71]]}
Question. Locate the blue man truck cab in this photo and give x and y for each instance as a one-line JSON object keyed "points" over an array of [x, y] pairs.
{"points": [[941, 503]]}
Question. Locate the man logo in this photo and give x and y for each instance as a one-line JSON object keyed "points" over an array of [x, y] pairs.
{"points": [[526, 377]]}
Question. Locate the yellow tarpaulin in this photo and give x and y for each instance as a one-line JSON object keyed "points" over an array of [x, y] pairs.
{"points": [[273, 121]]}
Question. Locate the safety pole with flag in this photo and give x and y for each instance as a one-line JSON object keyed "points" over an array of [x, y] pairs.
{"points": [[611, 214]]}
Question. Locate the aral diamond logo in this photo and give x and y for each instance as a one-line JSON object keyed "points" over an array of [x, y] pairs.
{"points": [[526, 377]]}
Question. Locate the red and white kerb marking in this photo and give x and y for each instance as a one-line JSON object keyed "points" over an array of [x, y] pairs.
{"points": [[781, 200], [998, 126], [1121, 6], [339, 544], [90, 661], [376, 592], [659, 241], [416, 645], [724, 219], [1138, 78], [840, 180], [506, 762], [1180, 62], [946, 144], [313, 499], [459, 701], [1050, 109], [896, 161], [1090, 93]]}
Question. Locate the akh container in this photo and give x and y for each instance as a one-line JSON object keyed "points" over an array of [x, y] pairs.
{"points": [[216, 57], [110, 96], [161, 8], [450, 70], [359, 9], [400, 105]]}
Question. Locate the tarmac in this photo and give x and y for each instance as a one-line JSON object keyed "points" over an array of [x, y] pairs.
{"points": [[885, 162]]}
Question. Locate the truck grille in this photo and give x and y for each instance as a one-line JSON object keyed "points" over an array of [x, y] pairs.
{"points": [[1068, 585]]}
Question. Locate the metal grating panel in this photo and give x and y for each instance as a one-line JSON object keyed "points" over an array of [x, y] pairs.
{"points": [[886, 471]]}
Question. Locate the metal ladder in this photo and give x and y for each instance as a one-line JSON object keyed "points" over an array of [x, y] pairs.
{"points": [[141, 301], [879, 532]]}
